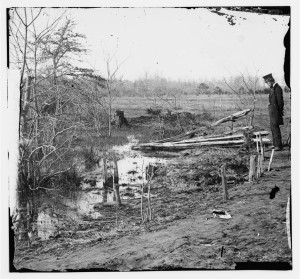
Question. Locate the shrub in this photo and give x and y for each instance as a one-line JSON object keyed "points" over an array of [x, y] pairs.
{"points": [[68, 180], [90, 158], [153, 111]]}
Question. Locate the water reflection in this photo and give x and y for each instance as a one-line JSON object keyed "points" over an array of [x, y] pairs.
{"points": [[46, 224], [134, 169]]}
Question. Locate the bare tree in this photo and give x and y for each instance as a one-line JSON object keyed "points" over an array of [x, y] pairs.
{"points": [[90, 98], [111, 85], [45, 135], [245, 88]]}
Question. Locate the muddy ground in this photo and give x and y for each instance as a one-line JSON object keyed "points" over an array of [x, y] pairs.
{"points": [[183, 234]]}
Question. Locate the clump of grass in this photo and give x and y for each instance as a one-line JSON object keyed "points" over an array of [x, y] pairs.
{"points": [[205, 115], [154, 111], [204, 170]]}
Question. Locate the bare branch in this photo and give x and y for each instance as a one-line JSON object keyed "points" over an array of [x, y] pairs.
{"points": [[20, 17], [35, 16]]}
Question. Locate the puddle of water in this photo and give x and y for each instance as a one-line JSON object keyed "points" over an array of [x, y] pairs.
{"points": [[134, 169], [126, 148]]}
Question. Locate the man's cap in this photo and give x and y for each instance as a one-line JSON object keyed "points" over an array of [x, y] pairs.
{"points": [[268, 77]]}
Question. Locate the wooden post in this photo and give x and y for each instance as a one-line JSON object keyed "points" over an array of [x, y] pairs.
{"points": [[142, 197], [252, 168], [257, 139], [250, 120], [271, 159], [259, 166], [116, 181], [224, 183], [149, 208], [260, 159], [149, 202], [105, 182], [262, 152]]}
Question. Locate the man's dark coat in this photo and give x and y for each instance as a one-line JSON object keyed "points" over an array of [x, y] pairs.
{"points": [[276, 105]]}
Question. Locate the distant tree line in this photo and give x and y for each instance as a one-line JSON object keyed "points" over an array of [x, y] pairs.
{"points": [[157, 87]]}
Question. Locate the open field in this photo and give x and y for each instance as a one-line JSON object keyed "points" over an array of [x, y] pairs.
{"points": [[217, 106], [221, 104]]}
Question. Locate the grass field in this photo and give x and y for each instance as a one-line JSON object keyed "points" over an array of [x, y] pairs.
{"points": [[136, 106], [217, 105]]}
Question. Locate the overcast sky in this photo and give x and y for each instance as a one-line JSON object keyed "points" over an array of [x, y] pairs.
{"points": [[183, 43], [179, 43]]}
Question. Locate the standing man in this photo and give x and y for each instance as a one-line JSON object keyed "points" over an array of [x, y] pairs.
{"points": [[275, 110]]}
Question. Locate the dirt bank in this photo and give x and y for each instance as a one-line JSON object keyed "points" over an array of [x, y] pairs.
{"points": [[183, 234]]}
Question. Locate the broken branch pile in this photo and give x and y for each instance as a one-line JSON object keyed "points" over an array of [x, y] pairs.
{"points": [[232, 140], [189, 140]]}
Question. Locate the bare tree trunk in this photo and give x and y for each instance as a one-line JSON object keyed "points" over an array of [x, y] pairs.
{"points": [[22, 207], [25, 174], [104, 181], [25, 108], [109, 117]]}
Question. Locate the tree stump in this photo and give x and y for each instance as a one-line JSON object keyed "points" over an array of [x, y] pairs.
{"points": [[252, 168]]}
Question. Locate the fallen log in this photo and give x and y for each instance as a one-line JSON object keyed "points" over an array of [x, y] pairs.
{"points": [[203, 142], [182, 136], [232, 117], [204, 139], [184, 141], [181, 146]]}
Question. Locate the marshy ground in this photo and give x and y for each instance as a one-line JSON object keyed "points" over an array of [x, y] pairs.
{"points": [[182, 233]]}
